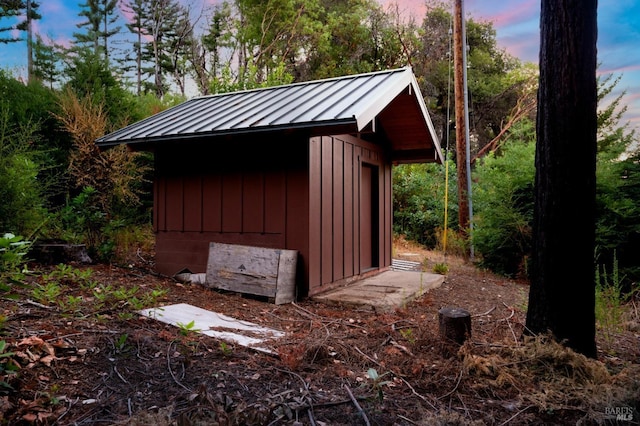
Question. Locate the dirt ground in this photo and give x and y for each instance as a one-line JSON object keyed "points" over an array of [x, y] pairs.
{"points": [[77, 354]]}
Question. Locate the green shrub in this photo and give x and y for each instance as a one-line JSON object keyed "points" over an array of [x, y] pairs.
{"points": [[13, 250], [503, 203], [22, 207], [419, 201], [609, 301]]}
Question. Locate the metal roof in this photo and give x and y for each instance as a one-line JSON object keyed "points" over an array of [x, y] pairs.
{"points": [[348, 104]]}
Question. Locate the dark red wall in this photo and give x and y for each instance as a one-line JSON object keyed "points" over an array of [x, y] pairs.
{"points": [[296, 193], [335, 210], [236, 192]]}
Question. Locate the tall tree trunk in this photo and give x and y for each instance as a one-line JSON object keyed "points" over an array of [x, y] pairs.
{"points": [[139, 64], [29, 42], [562, 293]]}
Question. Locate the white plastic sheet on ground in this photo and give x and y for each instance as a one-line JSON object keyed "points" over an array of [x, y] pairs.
{"points": [[216, 325]]}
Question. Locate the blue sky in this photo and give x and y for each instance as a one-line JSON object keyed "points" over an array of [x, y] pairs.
{"points": [[516, 23]]}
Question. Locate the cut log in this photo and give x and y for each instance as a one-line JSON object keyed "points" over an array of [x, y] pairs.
{"points": [[455, 325], [53, 254]]}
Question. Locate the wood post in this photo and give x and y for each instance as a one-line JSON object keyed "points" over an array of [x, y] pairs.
{"points": [[455, 324]]}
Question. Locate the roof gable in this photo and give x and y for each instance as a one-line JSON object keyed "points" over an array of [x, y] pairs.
{"points": [[385, 100]]}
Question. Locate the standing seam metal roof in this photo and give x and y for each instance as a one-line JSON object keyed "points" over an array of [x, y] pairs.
{"points": [[355, 100]]}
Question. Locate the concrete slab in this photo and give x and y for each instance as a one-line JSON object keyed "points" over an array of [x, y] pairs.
{"points": [[386, 291]]}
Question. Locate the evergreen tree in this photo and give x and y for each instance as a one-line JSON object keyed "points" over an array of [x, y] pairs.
{"points": [[31, 14], [9, 9], [162, 23], [13, 9], [136, 11], [45, 62], [91, 37], [562, 295], [100, 16]]}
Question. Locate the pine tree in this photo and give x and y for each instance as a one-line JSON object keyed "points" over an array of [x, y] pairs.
{"points": [[166, 24], [31, 14], [136, 10], [45, 61], [100, 16], [9, 9], [14, 9]]}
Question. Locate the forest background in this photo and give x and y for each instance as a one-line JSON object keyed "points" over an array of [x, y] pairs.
{"points": [[56, 185]]}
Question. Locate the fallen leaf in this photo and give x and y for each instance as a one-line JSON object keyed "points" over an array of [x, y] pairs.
{"points": [[46, 360], [31, 341]]}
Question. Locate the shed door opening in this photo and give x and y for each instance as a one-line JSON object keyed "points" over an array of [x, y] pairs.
{"points": [[369, 229]]}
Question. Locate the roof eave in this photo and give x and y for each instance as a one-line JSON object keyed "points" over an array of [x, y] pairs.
{"points": [[336, 126]]}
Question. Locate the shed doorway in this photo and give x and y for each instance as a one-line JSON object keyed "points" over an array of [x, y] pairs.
{"points": [[369, 217]]}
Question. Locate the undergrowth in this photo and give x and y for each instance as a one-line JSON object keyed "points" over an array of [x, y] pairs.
{"points": [[551, 377]]}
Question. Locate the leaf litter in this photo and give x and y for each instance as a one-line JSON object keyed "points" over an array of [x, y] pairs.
{"points": [[336, 365]]}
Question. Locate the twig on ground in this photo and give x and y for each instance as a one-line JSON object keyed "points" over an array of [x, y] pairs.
{"points": [[39, 305], [307, 396], [366, 356], [407, 419], [312, 420], [485, 313], [305, 311], [358, 407], [402, 348], [410, 325], [513, 312], [63, 337], [454, 388], [422, 397], [306, 386], [516, 415], [171, 371], [119, 375]]}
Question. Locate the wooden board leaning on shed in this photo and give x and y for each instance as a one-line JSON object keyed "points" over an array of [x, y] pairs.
{"points": [[253, 270]]}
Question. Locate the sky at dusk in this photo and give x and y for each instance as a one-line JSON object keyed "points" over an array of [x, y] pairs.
{"points": [[516, 23]]}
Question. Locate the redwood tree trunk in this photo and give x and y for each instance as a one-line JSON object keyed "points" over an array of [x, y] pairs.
{"points": [[562, 294]]}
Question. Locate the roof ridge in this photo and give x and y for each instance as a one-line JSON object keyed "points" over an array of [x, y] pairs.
{"points": [[306, 82]]}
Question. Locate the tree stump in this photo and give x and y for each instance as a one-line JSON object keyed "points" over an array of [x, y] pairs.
{"points": [[455, 324]]}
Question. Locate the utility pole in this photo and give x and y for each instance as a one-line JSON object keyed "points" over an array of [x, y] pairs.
{"points": [[462, 121]]}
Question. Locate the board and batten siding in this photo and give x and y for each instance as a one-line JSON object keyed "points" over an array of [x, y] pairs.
{"points": [[335, 173], [200, 201]]}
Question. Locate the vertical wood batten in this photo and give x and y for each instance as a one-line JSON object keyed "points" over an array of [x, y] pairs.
{"points": [[337, 206], [192, 190], [232, 202], [211, 202], [253, 202], [326, 210], [174, 204], [315, 224], [350, 167], [274, 202]]}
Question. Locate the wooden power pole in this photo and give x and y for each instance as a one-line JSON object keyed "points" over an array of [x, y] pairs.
{"points": [[462, 121]]}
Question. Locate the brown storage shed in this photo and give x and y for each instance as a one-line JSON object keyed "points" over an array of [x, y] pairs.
{"points": [[305, 167]]}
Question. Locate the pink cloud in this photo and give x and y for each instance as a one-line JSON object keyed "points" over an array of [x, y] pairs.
{"points": [[623, 69], [503, 15], [414, 9]]}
